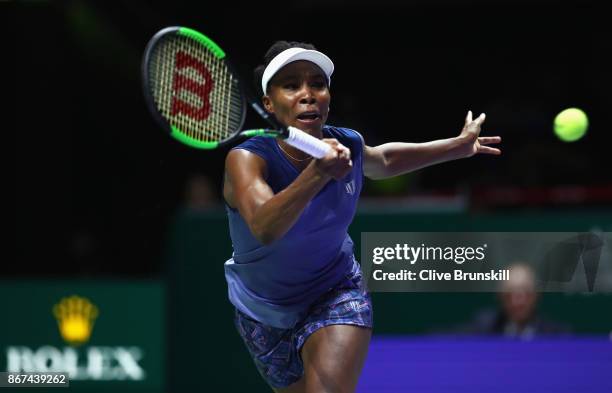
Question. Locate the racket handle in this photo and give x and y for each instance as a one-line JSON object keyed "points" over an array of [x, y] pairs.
{"points": [[307, 143]]}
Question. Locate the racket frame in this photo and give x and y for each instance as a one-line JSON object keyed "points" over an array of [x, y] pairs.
{"points": [[175, 132]]}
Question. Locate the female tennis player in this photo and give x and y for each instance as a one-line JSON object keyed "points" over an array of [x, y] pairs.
{"points": [[301, 305]]}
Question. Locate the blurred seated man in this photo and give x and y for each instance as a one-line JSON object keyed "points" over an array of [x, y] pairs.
{"points": [[517, 315]]}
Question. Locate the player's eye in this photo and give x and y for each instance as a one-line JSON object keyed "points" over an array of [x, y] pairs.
{"points": [[319, 84]]}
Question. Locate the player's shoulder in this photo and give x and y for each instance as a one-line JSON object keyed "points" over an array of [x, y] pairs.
{"points": [[341, 131], [255, 142], [345, 134], [259, 145]]}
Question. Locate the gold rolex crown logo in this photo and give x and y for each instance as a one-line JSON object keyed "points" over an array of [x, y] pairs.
{"points": [[75, 317]]}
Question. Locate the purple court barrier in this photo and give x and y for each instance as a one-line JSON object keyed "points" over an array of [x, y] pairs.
{"points": [[442, 364]]}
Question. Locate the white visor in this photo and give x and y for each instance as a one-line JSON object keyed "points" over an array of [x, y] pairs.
{"points": [[294, 54]]}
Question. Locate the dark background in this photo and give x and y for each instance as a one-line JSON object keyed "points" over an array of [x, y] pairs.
{"points": [[98, 183], [101, 192]]}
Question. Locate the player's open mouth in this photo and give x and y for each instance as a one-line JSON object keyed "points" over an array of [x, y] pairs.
{"points": [[308, 117]]}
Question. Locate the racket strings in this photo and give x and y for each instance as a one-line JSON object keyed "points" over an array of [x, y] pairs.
{"points": [[220, 70], [199, 97]]}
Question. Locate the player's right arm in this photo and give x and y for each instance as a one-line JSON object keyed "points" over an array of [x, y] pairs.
{"points": [[268, 215]]}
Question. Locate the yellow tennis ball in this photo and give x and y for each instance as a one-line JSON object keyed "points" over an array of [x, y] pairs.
{"points": [[571, 124]]}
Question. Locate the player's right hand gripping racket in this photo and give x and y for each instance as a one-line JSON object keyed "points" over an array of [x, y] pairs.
{"points": [[194, 94]]}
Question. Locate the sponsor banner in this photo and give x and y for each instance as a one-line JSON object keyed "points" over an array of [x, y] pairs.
{"points": [[101, 334]]}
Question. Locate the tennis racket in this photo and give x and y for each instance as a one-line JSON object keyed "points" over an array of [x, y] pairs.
{"points": [[196, 96]]}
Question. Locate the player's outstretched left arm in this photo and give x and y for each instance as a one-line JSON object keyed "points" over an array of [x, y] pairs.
{"points": [[396, 158]]}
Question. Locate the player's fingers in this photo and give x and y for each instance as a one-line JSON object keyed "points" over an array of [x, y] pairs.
{"points": [[489, 150], [343, 151], [331, 141], [344, 156], [487, 140], [468, 118], [332, 154], [337, 145], [480, 119]]}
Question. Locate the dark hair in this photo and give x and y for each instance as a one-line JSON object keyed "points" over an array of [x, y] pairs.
{"points": [[273, 51]]}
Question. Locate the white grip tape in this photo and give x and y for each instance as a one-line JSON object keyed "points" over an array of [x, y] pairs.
{"points": [[307, 143]]}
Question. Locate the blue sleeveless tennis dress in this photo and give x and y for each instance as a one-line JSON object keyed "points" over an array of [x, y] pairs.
{"points": [[308, 279]]}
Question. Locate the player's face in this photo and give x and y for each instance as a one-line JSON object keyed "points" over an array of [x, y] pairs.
{"points": [[298, 96]]}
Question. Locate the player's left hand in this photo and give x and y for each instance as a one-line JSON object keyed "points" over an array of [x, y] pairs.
{"points": [[470, 141]]}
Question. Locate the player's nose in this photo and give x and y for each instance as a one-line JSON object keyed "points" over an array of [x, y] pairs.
{"points": [[306, 95]]}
